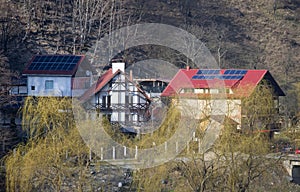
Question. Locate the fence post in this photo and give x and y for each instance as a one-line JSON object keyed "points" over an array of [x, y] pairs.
{"points": [[114, 152], [101, 155], [166, 146], [136, 152], [124, 151]]}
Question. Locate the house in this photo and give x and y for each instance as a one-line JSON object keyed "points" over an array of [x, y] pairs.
{"points": [[153, 87], [118, 98], [56, 75], [226, 92]]}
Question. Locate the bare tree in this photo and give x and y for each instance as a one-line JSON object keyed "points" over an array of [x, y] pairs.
{"points": [[10, 26], [5, 81]]}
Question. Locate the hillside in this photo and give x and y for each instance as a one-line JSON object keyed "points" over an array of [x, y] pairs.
{"points": [[240, 34]]}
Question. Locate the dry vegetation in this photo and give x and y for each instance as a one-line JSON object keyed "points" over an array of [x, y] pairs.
{"points": [[55, 157], [240, 34]]}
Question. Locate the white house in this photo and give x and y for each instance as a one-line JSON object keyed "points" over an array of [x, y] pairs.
{"points": [[54, 75], [213, 93], [118, 98]]}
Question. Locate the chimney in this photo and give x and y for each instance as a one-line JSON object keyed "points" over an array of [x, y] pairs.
{"points": [[118, 66], [187, 67]]}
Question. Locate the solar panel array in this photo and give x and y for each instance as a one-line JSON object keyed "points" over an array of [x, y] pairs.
{"points": [[210, 74], [54, 63]]}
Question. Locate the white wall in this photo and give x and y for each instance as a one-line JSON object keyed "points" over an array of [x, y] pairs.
{"points": [[61, 86], [118, 93], [200, 108]]}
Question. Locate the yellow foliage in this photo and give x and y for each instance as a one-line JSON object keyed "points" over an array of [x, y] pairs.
{"points": [[53, 148]]}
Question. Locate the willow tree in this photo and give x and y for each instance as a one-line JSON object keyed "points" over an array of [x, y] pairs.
{"points": [[53, 153], [238, 160], [245, 151], [259, 109]]}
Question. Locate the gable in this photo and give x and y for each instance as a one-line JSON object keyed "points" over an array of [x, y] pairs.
{"points": [[103, 80], [100, 84]]}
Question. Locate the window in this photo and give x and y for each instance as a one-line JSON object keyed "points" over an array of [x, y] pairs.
{"points": [[199, 90], [214, 91], [104, 101], [187, 90], [127, 118], [108, 101], [32, 87], [49, 84]]}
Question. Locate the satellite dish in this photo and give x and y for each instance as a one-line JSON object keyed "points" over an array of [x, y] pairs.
{"points": [[88, 73]]}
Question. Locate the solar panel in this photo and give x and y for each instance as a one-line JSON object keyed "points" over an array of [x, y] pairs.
{"points": [[56, 62], [230, 77], [208, 71], [237, 77], [204, 77], [196, 77], [37, 58], [235, 72]]}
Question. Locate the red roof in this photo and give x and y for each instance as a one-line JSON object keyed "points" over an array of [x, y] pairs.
{"points": [[96, 87], [241, 86]]}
